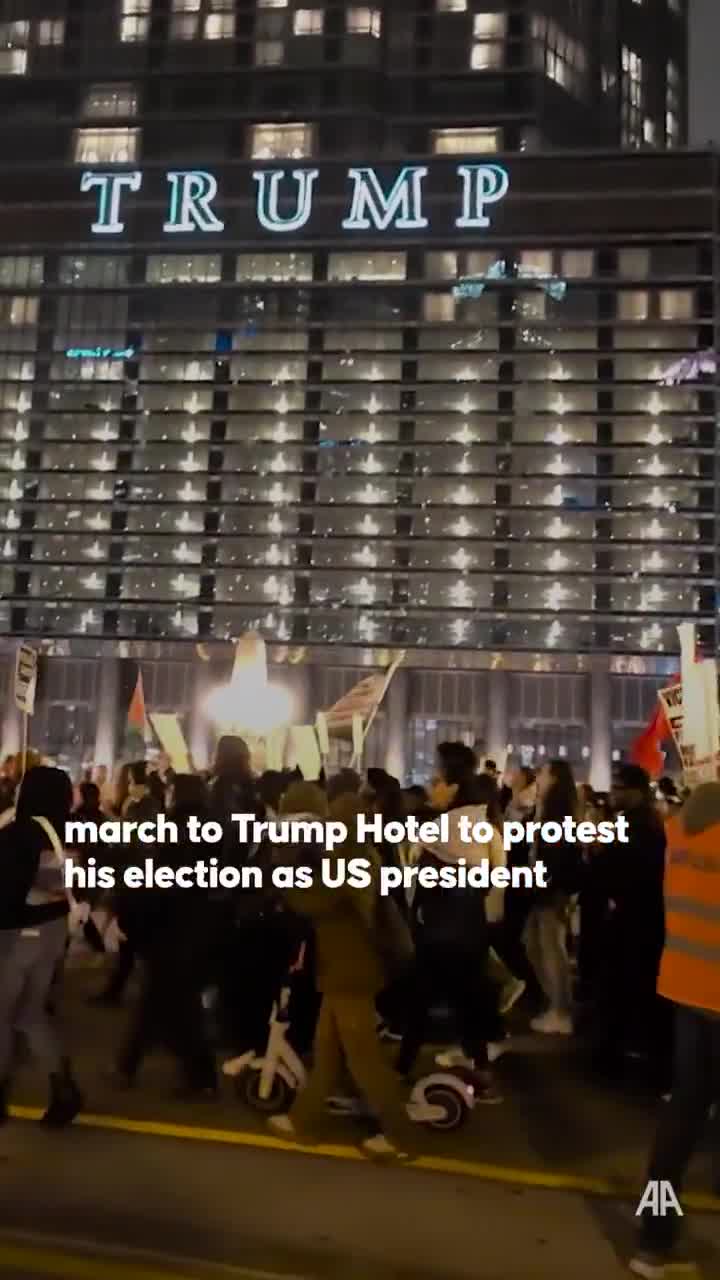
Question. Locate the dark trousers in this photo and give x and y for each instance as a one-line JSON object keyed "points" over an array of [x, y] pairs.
{"points": [[121, 973], [506, 938], [170, 1012], [458, 979], [696, 1085]]}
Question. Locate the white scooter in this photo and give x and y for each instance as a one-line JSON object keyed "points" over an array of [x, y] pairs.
{"points": [[440, 1100]]}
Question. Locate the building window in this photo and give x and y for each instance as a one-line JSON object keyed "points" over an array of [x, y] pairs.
{"points": [[364, 22], [209, 19], [51, 31], [106, 146], [14, 38], [269, 53], [447, 142], [536, 262], [488, 35], [673, 98], [634, 264], [281, 141], [309, 22], [577, 264], [135, 20], [439, 308], [632, 97], [94, 271], [198, 268], [272, 4], [633, 304], [676, 304], [21, 271], [367, 266], [19, 312], [451, 6], [565, 58], [107, 101], [274, 266]]}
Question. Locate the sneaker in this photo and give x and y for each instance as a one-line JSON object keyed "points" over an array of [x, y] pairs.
{"points": [[658, 1266], [379, 1148], [510, 994], [282, 1125], [235, 1066], [553, 1023]]}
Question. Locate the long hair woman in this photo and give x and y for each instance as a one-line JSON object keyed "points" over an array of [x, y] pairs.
{"points": [[34, 906], [547, 926]]}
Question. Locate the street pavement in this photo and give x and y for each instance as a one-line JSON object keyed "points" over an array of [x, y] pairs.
{"points": [[526, 1189]]}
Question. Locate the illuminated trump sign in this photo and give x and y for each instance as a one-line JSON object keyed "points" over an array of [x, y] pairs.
{"points": [[284, 199]]}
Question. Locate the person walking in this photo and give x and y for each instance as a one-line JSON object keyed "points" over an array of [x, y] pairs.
{"points": [[690, 978], [34, 909], [547, 926]]}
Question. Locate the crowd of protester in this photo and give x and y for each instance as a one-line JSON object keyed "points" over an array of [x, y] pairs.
{"points": [[199, 970]]}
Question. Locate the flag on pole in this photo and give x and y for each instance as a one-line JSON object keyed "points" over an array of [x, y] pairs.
{"points": [[645, 750], [137, 724]]}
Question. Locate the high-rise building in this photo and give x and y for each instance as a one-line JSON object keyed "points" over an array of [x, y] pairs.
{"points": [[308, 325]]}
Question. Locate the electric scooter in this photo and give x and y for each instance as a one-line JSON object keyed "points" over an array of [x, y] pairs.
{"points": [[440, 1100]]}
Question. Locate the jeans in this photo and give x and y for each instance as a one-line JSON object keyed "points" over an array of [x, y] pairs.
{"points": [[546, 942], [696, 1085], [29, 962]]}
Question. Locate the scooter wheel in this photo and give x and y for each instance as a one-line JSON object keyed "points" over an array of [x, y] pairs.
{"points": [[456, 1111], [280, 1098]]}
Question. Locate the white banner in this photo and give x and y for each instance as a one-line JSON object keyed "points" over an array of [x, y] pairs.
{"points": [[25, 679]]}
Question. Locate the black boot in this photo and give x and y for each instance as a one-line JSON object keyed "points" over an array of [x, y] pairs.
{"points": [[66, 1099]]}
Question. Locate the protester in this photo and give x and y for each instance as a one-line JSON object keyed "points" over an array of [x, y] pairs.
{"points": [[349, 974], [690, 978], [172, 931], [507, 934], [630, 877], [450, 929], [34, 908], [548, 922]]}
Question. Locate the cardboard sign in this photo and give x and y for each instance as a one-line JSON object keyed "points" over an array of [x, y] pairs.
{"points": [[25, 679], [172, 739]]}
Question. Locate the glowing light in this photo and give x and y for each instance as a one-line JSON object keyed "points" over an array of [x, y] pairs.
{"points": [[94, 552], [368, 526], [105, 433], [463, 466], [103, 463], [12, 520], [274, 524], [279, 463], [365, 590], [655, 404], [466, 374], [281, 435], [184, 585], [557, 561], [100, 492], [366, 556], [463, 496], [98, 523], [188, 524], [276, 555], [654, 595], [554, 634], [559, 373], [555, 595], [657, 497], [655, 467], [654, 529], [651, 636], [653, 563], [19, 433], [558, 436], [17, 461], [373, 405], [371, 465], [278, 589], [655, 435], [190, 463], [367, 627], [465, 435], [459, 629], [559, 405], [88, 619], [370, 494], [466, 405], [462, 528], [282, 404], [277, 494], [187, 554], [371, 434], [254, 706], [460, 559], [8, 549], [93, 582], [556, 497], [15, 492], [461, 594], [190, 434], [558, 466], [189, 493]]}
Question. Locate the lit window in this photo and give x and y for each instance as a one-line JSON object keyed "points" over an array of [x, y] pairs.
{"points": [[281, 141], [198, 268], [274, 266], [367, 266], [14, 37], [309, 22], [485, 57], [110, 100], [439, 308], [676, 304], [220, 26], [185, 20], [441, 265], [106, 146], [51, 31], [135, 20], [489, 26], [633, 304], [269, 53], [366, 22], [18, 312], [272, 4], [464, 141], [97, 270], [21, 271], [673, 103], [577, 263], [451, 6], [648, 131]]}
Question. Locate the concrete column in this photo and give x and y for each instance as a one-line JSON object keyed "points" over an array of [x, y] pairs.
{"points": [[108, 689], [397, 718], [498, 719], [600, 730]]}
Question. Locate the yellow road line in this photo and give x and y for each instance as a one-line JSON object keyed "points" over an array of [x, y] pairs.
{"points": [[61, 1263], [540, 1179]]}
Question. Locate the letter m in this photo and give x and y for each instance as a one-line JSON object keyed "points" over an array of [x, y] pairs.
{"points": [[80, 833], [374, 209]]}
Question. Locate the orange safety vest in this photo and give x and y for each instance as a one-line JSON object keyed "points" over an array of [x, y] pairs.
{"points": [[690, 965]]}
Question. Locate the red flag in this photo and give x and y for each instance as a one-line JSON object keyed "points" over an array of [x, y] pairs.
{"points": [[645, 750], [136, 718]]}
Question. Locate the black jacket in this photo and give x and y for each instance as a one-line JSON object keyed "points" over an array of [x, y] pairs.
{"points": [[21, 847], [451, 919]]}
